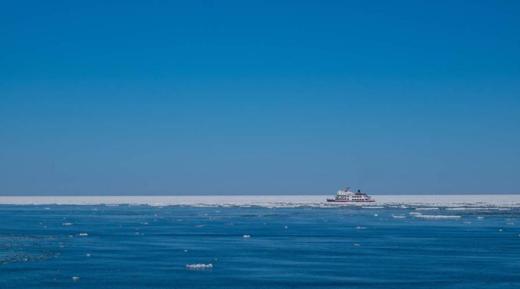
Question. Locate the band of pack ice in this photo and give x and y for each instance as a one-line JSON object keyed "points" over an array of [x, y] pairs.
{"points": [[271, 201], [348, 196]]}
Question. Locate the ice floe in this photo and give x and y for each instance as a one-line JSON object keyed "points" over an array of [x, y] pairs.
{"points": [[199, 266], [436, 217]]}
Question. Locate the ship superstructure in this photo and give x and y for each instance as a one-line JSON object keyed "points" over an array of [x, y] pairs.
{"points": [[348, 196]]}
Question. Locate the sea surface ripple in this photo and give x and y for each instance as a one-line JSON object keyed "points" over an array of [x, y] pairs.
{"points": [[143, 246]]}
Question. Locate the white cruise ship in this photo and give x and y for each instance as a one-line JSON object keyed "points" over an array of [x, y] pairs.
{"points": [[348, 196]]}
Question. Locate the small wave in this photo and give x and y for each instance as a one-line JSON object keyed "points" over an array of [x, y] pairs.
{"points": [[427, 209], [398, 216]]}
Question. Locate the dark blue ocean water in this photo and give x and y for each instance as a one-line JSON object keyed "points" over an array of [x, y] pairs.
{"points": [[149, 247]]}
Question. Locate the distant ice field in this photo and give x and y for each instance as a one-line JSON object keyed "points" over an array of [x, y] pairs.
{"points": [[464, 201]]}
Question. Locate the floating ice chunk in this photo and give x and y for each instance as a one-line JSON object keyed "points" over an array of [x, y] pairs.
{"points": [[437, 217], [75, 278], [376, 215], [246, 236], [199, 266], [467, 209]]}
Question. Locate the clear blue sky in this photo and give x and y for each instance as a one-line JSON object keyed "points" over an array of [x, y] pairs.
{"points": [[266, 97]]}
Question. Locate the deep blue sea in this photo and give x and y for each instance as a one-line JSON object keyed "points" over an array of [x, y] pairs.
{"points": [[123, 246]]}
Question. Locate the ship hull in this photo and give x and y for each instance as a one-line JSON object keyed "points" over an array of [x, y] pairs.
{"points": [[349, 201]]}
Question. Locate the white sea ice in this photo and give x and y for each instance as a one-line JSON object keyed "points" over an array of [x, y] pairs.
{"points": [[272, 201], [437, 217], [199, 266]]}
